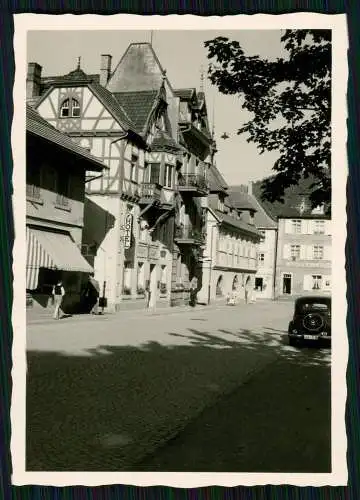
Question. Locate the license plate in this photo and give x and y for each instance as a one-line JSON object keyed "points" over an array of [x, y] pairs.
{"points": [[311, 337]]}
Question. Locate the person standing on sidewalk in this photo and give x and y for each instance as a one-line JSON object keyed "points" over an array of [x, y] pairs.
{"points": [[247, 290], [58, 293], [147, 295]]}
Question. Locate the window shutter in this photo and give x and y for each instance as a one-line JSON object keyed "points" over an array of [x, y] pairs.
{"points": [[286, 251], [309, 252], [310, 226], [303, 254], [328, 227], [307, 282], [288, 226], [327, 252]]}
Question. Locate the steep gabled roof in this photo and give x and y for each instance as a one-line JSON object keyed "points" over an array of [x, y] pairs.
{"points": [[237, 223], [296, 201], [105, 97], [242, 200], [36, 125], [114, 106], [138, 105], [216, 181]]}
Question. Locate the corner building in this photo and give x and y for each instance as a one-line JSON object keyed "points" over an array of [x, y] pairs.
{"points": [[143, 221]]}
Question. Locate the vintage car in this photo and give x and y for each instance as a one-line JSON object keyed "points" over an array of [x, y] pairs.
{"points": [[311, 321]]}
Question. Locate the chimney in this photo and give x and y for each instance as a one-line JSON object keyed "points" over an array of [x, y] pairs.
{"points": [[250, 188], [33, 80], [105, 69]]}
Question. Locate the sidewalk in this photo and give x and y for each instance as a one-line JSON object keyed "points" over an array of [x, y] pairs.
{"points": [[34, 316]]}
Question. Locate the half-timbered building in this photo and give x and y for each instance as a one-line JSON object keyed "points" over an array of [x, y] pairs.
{"points": [[143, 218]]}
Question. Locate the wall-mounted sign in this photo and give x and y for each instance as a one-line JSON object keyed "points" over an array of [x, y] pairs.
{"points": [[128, 230]]}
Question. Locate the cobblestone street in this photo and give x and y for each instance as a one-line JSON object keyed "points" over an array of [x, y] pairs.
{"points": [[109, 391]]}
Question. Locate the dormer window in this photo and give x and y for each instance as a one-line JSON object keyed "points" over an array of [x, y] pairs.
{"points": [[70, 108]]}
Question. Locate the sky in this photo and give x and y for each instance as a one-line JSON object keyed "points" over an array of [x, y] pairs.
{"points": [[183, 55]]}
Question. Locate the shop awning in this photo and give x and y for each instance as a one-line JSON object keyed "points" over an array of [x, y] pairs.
{"points": [[53, 251]]}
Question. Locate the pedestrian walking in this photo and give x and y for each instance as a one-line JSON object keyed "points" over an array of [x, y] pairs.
{"points": [[58, 293], [247, 290], [193, 292]]}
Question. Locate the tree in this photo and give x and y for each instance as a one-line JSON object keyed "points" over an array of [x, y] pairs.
{"points": [[290, 102]]}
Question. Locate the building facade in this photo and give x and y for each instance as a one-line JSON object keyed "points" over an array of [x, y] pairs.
{"points": [[243, 197], [144, 224], [303, 255], [55, 195], [230, 258], [304, 245]]}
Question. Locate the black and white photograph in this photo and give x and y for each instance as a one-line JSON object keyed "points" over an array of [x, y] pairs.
{"points": [[182, 226]]}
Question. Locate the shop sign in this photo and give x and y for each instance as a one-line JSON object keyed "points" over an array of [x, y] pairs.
{"points": [[128, 230]]}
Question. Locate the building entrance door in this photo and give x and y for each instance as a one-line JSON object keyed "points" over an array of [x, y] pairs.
{"points": [[287, 284]]}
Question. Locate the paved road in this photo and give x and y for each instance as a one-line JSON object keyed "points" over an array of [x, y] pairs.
{"points": [[104, 393]]}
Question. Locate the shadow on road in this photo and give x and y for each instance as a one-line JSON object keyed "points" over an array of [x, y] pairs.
{"points": [[106, 410]]}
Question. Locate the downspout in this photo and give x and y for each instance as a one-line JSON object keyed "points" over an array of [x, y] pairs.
{"points": [[275, 261], [211, 266]]}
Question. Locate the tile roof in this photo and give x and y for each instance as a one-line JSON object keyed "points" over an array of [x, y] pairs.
{"points": [[138, 105], [241, 199], [114, 106], [237, 223], [38, 126], [216, 181], [294, 197], [92, 81]]}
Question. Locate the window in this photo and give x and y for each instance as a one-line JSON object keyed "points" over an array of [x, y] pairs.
{"points": [[295, 252], [318, 252], [75, 107], [152, 173], [259, 284], [316, 282], [168, 176], [262, 234], [221, 204], [319, 227], [296, 226], [70, 107], [261, 257]]}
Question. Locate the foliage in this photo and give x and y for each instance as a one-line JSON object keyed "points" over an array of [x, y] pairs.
{"points": [[290, 102]]}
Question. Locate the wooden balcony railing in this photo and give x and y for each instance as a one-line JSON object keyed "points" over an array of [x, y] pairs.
{"points": [[33, 191], [150, 191], [192, 182], [189, 234]]}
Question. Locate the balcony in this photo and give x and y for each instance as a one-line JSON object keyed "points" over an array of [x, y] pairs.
{"points": [[188, 235], [194, 184], [33, 193], [150, 192], [62, 202]]}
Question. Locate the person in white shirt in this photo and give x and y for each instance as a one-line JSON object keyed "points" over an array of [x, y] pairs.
{"points": [[58, 293]]}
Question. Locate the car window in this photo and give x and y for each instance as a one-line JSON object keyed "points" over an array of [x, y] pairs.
{"points": [[315, 307]]}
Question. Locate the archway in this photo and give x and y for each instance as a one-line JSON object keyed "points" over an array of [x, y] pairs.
{"points": [[235, 284], [219, 286]]}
